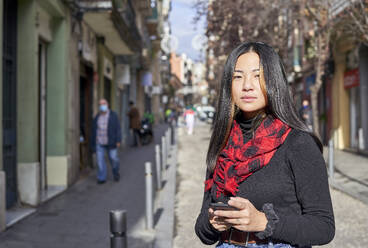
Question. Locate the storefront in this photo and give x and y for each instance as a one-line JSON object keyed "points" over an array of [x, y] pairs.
{"points": [[363, 91], [88, 65], [351, 83]]}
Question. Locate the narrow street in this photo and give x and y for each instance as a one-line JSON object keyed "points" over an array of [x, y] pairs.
{"points": [[350, 214], [80, 217], [76, 75]]}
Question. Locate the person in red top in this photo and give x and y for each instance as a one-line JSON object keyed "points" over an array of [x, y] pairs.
{"points": [[263, 162], [189, 117]]}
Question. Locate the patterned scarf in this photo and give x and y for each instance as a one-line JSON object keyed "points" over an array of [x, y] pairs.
{"points": [[237, 160]]}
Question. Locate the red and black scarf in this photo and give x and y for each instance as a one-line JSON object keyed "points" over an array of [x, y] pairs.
{"points": [[238, 160]]}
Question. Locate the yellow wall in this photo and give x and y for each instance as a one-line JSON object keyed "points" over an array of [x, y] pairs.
{"points": [[340, 97]]}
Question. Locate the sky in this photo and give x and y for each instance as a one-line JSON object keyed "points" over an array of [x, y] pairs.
{"points": [[183, 28]]}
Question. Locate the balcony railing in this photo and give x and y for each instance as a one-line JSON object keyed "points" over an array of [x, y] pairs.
{"points": [[123, 15]]}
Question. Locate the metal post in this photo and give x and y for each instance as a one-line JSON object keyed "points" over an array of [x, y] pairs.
{"points": [[331, 158], [158, 167], [175, 133], [149, 200], [118, 228], [173, 137], [163, 152], [174, 155], [168, 138], [167, 144]]}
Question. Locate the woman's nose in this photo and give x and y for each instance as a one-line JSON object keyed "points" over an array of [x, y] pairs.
{"points": [[247, 84]]}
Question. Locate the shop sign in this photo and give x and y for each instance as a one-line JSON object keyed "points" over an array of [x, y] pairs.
{"points": [[146, 79], [108, 69], [156, 90], [309, 82], [122, 75], [351, 78], [88, 44]]}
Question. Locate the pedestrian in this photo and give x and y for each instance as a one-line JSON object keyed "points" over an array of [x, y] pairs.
{"points": [[189, 116], [263, 161], [106, 138], [167, 114], [306, 114], [134, 123]]}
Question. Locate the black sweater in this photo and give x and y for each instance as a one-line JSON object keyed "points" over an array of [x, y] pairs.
{"points": [[295, 182]]}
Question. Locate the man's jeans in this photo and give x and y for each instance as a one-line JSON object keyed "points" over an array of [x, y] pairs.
{"points": [[114, 161]]}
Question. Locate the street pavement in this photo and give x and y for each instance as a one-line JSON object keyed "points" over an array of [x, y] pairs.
{"points": [[351, 213], [351, 174], [80, 217]]}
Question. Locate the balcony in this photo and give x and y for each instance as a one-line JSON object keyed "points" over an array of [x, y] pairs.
{"points": [[114, 20], [152, 23], [144, 6]]}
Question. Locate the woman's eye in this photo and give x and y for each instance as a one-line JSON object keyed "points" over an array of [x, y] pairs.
{"points": [[237, 77], [257, 76]]}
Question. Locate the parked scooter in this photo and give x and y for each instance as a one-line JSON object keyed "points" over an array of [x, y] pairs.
{"points": [[146, 132]]}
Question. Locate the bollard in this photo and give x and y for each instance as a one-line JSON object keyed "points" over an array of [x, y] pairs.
{"points": [[175, 134], [158, 167], [163, 152], [118, 232], [169, 136], [149, 200], [174, 155], [167, 144], [331, 158], [173, 137]]}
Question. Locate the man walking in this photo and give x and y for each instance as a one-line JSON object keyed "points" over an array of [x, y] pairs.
{"points": [[134, 122], [106, 137]]}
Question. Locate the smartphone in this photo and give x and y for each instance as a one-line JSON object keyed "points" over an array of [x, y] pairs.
{"points": [[221, 206]]}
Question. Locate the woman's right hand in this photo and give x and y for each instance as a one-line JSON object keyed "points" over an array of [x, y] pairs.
{"points": [[217, 221]]}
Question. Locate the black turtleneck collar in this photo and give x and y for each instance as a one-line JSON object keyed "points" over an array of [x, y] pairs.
{"points": [[245, 124]]}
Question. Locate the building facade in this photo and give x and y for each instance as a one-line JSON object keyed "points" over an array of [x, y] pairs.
{"points": [[60, 58]]}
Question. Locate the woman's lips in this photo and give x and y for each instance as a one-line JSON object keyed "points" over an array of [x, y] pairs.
{"points": [[248, 98]]}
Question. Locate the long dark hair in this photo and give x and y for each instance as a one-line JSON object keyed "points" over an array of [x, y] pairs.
{"points": [[279, 101]]}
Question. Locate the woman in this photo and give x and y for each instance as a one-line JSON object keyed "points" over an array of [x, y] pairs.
{"points": [[263, 160]]}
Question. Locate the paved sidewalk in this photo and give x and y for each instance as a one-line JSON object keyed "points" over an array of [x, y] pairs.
{"points": [[351, 174], [80, 217], [191, 173], [351, 215]]}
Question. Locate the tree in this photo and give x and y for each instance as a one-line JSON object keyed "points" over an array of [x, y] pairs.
{"points": [[348, 19], [230, 22], [353, 21], [317, 11]]}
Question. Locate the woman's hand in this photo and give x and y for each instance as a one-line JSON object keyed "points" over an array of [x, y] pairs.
{"points": [[217, 222], [247, 218]]}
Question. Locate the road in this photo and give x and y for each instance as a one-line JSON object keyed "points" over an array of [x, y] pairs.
{"points": [[80, 217]]}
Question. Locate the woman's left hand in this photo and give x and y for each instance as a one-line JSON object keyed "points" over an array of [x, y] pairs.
{"points": [[247, 218]]}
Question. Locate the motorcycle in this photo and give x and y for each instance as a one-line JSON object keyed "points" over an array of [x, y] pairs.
{"points": [[146, 132]]}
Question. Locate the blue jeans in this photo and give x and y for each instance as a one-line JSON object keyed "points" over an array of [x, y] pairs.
{"points": [[114, 161], [269, 245]]}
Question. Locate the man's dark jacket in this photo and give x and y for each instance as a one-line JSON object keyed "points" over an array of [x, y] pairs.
{"points": [[113, 131]]}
